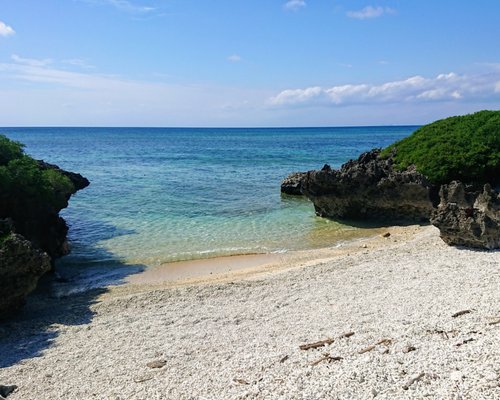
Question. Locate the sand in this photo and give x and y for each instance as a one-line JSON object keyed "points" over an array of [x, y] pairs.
{"points": [[424, 319]]}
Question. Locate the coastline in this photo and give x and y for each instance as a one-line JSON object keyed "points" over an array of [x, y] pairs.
{"points": [[240, 266], [237, 335]]}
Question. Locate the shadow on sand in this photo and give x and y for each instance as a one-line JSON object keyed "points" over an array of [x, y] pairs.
{"points": [[64, 297]]}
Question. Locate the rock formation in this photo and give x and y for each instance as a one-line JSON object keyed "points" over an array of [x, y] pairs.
{"points": [[370, 189], [468, 216], [32, 235], [21, 265], [292, 184]]}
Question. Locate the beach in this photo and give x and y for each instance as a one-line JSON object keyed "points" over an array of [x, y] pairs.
{"points": [[399, 316]]}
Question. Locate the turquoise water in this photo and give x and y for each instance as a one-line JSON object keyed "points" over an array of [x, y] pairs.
{"points": [[160, 195]]}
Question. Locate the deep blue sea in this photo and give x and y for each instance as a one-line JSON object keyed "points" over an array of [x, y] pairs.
{"points": [[167, 194]]}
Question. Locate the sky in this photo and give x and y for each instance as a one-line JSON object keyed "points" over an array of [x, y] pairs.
{"points": [[253, 63]]}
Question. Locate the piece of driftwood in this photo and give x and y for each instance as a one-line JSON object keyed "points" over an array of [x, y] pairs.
{"points": [[284, 358], [463, 312], [326, 357], [315, 345], [346, 335], [465, 341], [144, 379], [241, 381], [494, 322], [413, 380], [367, 349], [371, 347]]}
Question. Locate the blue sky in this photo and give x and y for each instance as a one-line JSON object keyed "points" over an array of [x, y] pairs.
{"points": [[246, 63]]}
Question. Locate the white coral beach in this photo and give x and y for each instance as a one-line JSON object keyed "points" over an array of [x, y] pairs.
{"points": [[238, 337]]}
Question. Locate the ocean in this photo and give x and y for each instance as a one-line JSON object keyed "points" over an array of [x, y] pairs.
{"points": [[159, 195]]}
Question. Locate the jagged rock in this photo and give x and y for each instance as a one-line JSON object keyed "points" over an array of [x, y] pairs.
{"points": [[21, 265], [39, 221], [5, 390], [32, 236], [468, 216], [292, 184], [370, 189]]}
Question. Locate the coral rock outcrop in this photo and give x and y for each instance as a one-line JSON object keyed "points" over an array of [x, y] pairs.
{"points": [[21, 266], [468, 216], [370, 189], [292, 184]]}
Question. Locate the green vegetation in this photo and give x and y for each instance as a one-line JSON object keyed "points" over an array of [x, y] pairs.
{"points": [[465, 148], [23, 181]]}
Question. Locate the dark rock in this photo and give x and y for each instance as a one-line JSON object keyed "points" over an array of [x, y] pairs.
{"points": [[292, 184], [370, 189], [39, 221], [5, 390], [32, 236], [468, 216], [21, 265]]}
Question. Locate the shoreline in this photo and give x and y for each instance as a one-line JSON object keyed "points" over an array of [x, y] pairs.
{"points": [[245, 266], [422, 320]]}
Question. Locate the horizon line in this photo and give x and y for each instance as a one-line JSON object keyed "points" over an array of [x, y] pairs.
{"points": [[203, 127]]}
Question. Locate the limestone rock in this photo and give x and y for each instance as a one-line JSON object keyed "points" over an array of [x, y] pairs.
{"points": [[21, 265], [292, 184], [468, 216], [370, 189], [5, 390]]}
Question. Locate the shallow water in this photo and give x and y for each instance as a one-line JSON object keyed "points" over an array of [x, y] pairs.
{"points": [[163, 194]]}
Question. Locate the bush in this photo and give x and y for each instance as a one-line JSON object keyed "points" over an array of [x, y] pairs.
{"points": [[465, 148], [9, 150], [23, 181]]}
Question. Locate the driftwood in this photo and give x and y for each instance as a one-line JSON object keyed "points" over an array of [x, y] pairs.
{"points": [[367, 349], [144, 379], [465, 341], [346, 335], [241, 381], [326, 357], [315, 345], [463, 312], [494, 322], [413, 380], [371, 347], [284, 358]]}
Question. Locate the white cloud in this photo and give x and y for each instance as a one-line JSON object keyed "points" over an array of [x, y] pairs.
{"points": [[6, 30], [444, 87], [45, 95], [295, 5], [78, 62], [31, 61], [124, 5], [370, 12], [234, 58]]}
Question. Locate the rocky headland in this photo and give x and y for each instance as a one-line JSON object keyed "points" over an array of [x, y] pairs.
{"points": [[422, 179], [32, 234]]}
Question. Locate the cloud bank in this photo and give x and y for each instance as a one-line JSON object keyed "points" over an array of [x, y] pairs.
{"points": [[370, 12], [444, 87], [6, 30]]}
